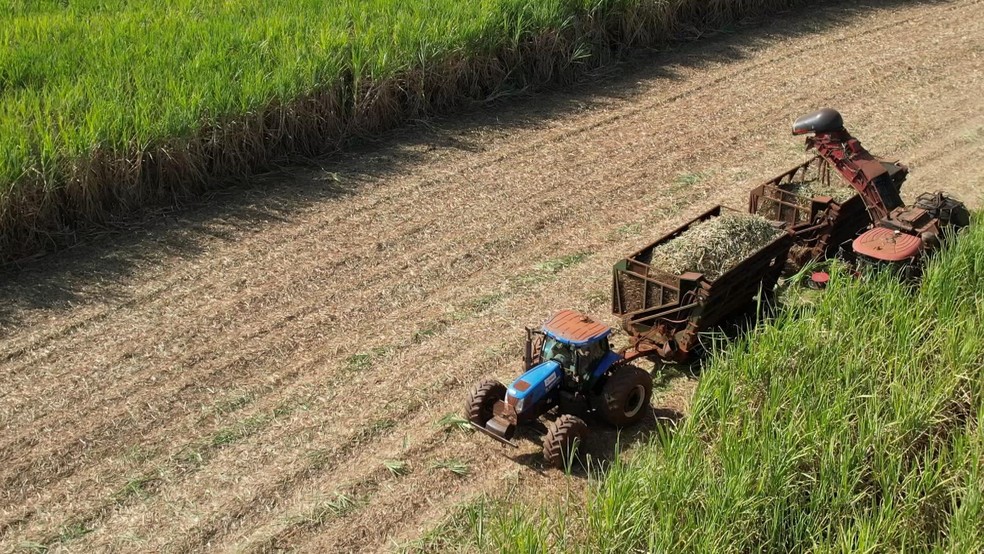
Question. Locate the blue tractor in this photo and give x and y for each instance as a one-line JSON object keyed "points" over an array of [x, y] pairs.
{"points": [[570, 368]]}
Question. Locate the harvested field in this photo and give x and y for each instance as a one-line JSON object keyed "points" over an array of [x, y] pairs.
{"points": [[243, 376]]}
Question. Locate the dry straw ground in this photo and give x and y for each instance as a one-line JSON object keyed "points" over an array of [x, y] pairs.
{"points": [[270, 371]]}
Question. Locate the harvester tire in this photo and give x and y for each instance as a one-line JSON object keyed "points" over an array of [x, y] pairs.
{"points": [[564, 434], [624, 398], [481, 399]]}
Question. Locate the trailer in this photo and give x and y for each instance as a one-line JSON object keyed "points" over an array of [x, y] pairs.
{"points": [[820, 225], [664, 313]]}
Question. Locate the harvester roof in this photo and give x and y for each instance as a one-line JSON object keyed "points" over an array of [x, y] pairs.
{"points": [[887, 245], [575, 328]]}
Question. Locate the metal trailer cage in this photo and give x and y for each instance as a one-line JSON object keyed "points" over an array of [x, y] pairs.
{"points": [[664, 313], [819, 224]]}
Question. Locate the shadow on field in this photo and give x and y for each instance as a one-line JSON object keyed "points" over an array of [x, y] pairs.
{"points": [[603, 443], [94, 268], [672, 389]]}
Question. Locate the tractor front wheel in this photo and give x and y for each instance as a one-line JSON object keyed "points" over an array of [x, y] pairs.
{"points": [[481, 399], [624, 398], [564, 434]]}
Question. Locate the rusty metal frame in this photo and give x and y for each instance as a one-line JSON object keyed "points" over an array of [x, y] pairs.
{"points": [[670, 330]]}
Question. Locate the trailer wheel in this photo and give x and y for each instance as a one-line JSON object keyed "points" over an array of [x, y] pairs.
{"points": [[564, 434], [624, 398], [481, 399]]}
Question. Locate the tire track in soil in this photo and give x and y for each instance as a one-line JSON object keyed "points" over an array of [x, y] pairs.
{"points": [[606, 120]]}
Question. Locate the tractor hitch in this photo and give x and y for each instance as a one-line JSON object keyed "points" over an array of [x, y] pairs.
{"points": [[494, 435]]}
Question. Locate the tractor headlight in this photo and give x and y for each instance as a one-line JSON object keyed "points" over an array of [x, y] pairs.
{"points": [[519, 405]]}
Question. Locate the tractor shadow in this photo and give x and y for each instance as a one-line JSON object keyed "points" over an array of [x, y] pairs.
{"points": [[734, 327], [603, 445]]}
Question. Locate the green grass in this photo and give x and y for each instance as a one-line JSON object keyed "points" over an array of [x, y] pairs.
{"points": [[396, 467], [73, 531], [326, 510], [233, 404], [241, 430], [457, 467], [453, 422], [689, 179], [358, 362], [467, 518], [365, 360], [136, 487], [849, 424], [487, 301], [557, 265], [108, 104]]}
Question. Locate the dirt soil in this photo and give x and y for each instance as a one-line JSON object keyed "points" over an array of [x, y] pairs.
{"points": [[235, 376]]}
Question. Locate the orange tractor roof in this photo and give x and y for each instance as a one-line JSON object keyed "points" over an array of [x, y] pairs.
{"points": [[887, 245], [575, 328]]}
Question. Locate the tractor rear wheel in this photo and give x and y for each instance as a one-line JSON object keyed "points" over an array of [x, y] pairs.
{"points": [[624, 398], [481, 399], [564, 434]]}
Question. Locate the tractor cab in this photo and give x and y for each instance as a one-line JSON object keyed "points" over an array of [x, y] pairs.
{"points": [[889, 249], [576, 342]]}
